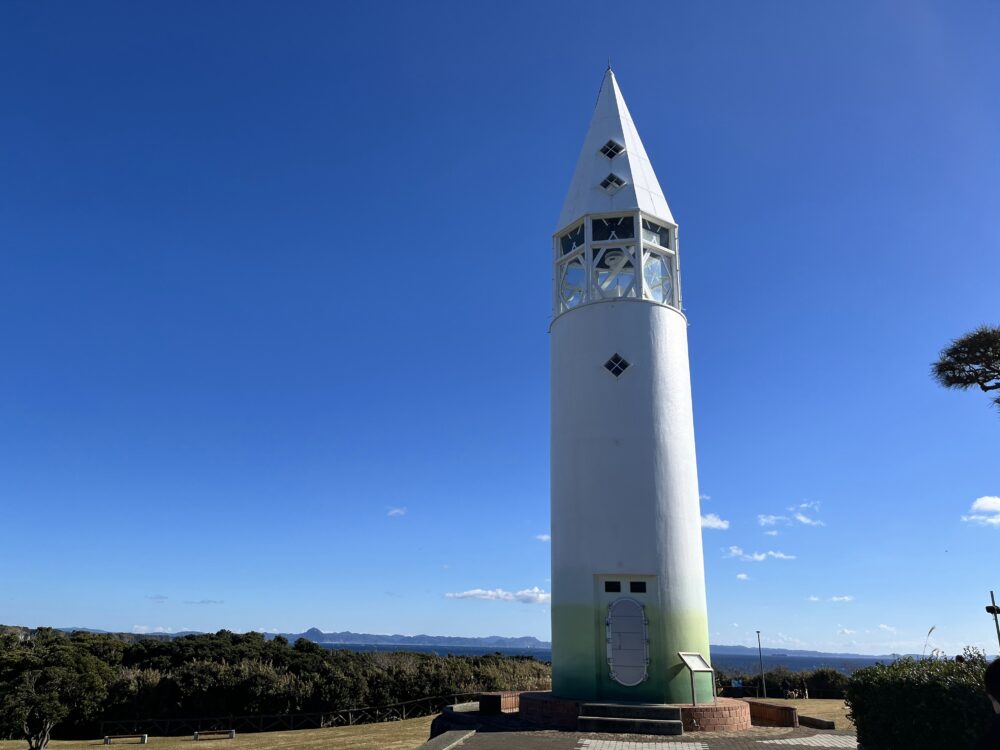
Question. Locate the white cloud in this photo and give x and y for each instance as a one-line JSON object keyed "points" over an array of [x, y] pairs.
{"points": [[985, 511], [712, 521], [492, 594], [887, 628], [738, 552], [846, 631], [804, 519], [533, 595], [772, 532], [157, 598], [813, 599], [143, 629], [705, 497], [396, 512], [808, 505], [742, 577], [543, 537], [766, 520], [735, 551], [989, 504], [844, 598]]}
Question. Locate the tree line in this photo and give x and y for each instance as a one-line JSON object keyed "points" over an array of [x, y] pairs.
{"points": [[55, 682]]}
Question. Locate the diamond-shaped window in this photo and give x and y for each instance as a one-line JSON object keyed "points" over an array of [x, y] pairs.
{"points": [[612, 183], [616, 365], [611, 149]]}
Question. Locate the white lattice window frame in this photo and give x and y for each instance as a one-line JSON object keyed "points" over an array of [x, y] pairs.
{"points": [[597, 292], [640, 246]]}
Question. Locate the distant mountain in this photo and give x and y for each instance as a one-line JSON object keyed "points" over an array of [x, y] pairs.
{"points": [[751, 651], [347, 638], [82, 630]]}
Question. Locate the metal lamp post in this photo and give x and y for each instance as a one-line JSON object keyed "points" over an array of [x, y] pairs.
{"points": [[760, 655], [995, 611]]}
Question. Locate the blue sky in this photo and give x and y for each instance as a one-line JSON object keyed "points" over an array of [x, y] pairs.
{"points": [[275, 289]]}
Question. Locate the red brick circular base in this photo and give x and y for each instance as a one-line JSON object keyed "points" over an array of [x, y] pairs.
{"points": [[726, 715]]}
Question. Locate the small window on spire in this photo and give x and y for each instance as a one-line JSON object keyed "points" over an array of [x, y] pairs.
{"points": [[612, 184], [616, 365], [611, 149]]}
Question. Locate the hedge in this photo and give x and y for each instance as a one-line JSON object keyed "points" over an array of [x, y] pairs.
{"points": [[920, 704], [781, 682]]}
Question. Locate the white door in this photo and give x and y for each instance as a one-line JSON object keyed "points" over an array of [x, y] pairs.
{"points": [[628, 647]]}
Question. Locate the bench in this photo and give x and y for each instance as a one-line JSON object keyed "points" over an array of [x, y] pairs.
{"points": [[220, 734], [143, 738]]}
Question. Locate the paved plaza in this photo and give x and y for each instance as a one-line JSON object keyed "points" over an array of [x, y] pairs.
{"points": [[758, 738]]}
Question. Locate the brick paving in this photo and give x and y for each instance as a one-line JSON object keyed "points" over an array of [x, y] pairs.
{"points": [[757, 738]]}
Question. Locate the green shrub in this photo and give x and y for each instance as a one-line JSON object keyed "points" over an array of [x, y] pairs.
{"points": [[920, 704], [826, 683], [781, 682]]}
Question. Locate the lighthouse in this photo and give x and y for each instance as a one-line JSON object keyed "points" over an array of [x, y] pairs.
{"points": [[628, 580]]}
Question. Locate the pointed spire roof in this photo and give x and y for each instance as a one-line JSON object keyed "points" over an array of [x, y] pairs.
{"points": [[612, 122]]}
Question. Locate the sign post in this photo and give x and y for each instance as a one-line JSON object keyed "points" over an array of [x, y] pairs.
{"points": [[695, 662]]}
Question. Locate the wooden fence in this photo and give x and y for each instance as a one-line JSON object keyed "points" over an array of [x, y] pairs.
{"points": [[285, 722]]}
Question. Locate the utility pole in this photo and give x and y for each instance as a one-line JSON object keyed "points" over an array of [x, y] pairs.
{"points": [[760, 655], [995, 610]]}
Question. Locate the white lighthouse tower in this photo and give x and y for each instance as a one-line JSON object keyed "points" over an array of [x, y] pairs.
{"points": [[628, 581]]}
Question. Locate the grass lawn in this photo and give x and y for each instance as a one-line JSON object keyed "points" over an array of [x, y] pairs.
{"points": [[390, 735], [830, 709]]}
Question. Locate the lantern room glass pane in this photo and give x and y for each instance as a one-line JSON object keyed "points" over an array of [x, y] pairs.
{"points": [[572, 283], [653, 232], [572, 240], [614, 273], [657, 272], [613, 228]]}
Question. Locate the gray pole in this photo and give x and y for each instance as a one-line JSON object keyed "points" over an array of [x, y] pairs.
{"points": [[760, 655], [995, 620]]}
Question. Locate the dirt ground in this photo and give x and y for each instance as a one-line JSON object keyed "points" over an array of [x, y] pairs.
{"points": [[391, 735]]}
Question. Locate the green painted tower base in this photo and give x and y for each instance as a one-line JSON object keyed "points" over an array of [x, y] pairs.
{"points": [[581, 669]]}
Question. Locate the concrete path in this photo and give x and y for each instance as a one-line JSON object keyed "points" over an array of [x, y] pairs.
{"points": [[758, 738]]}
